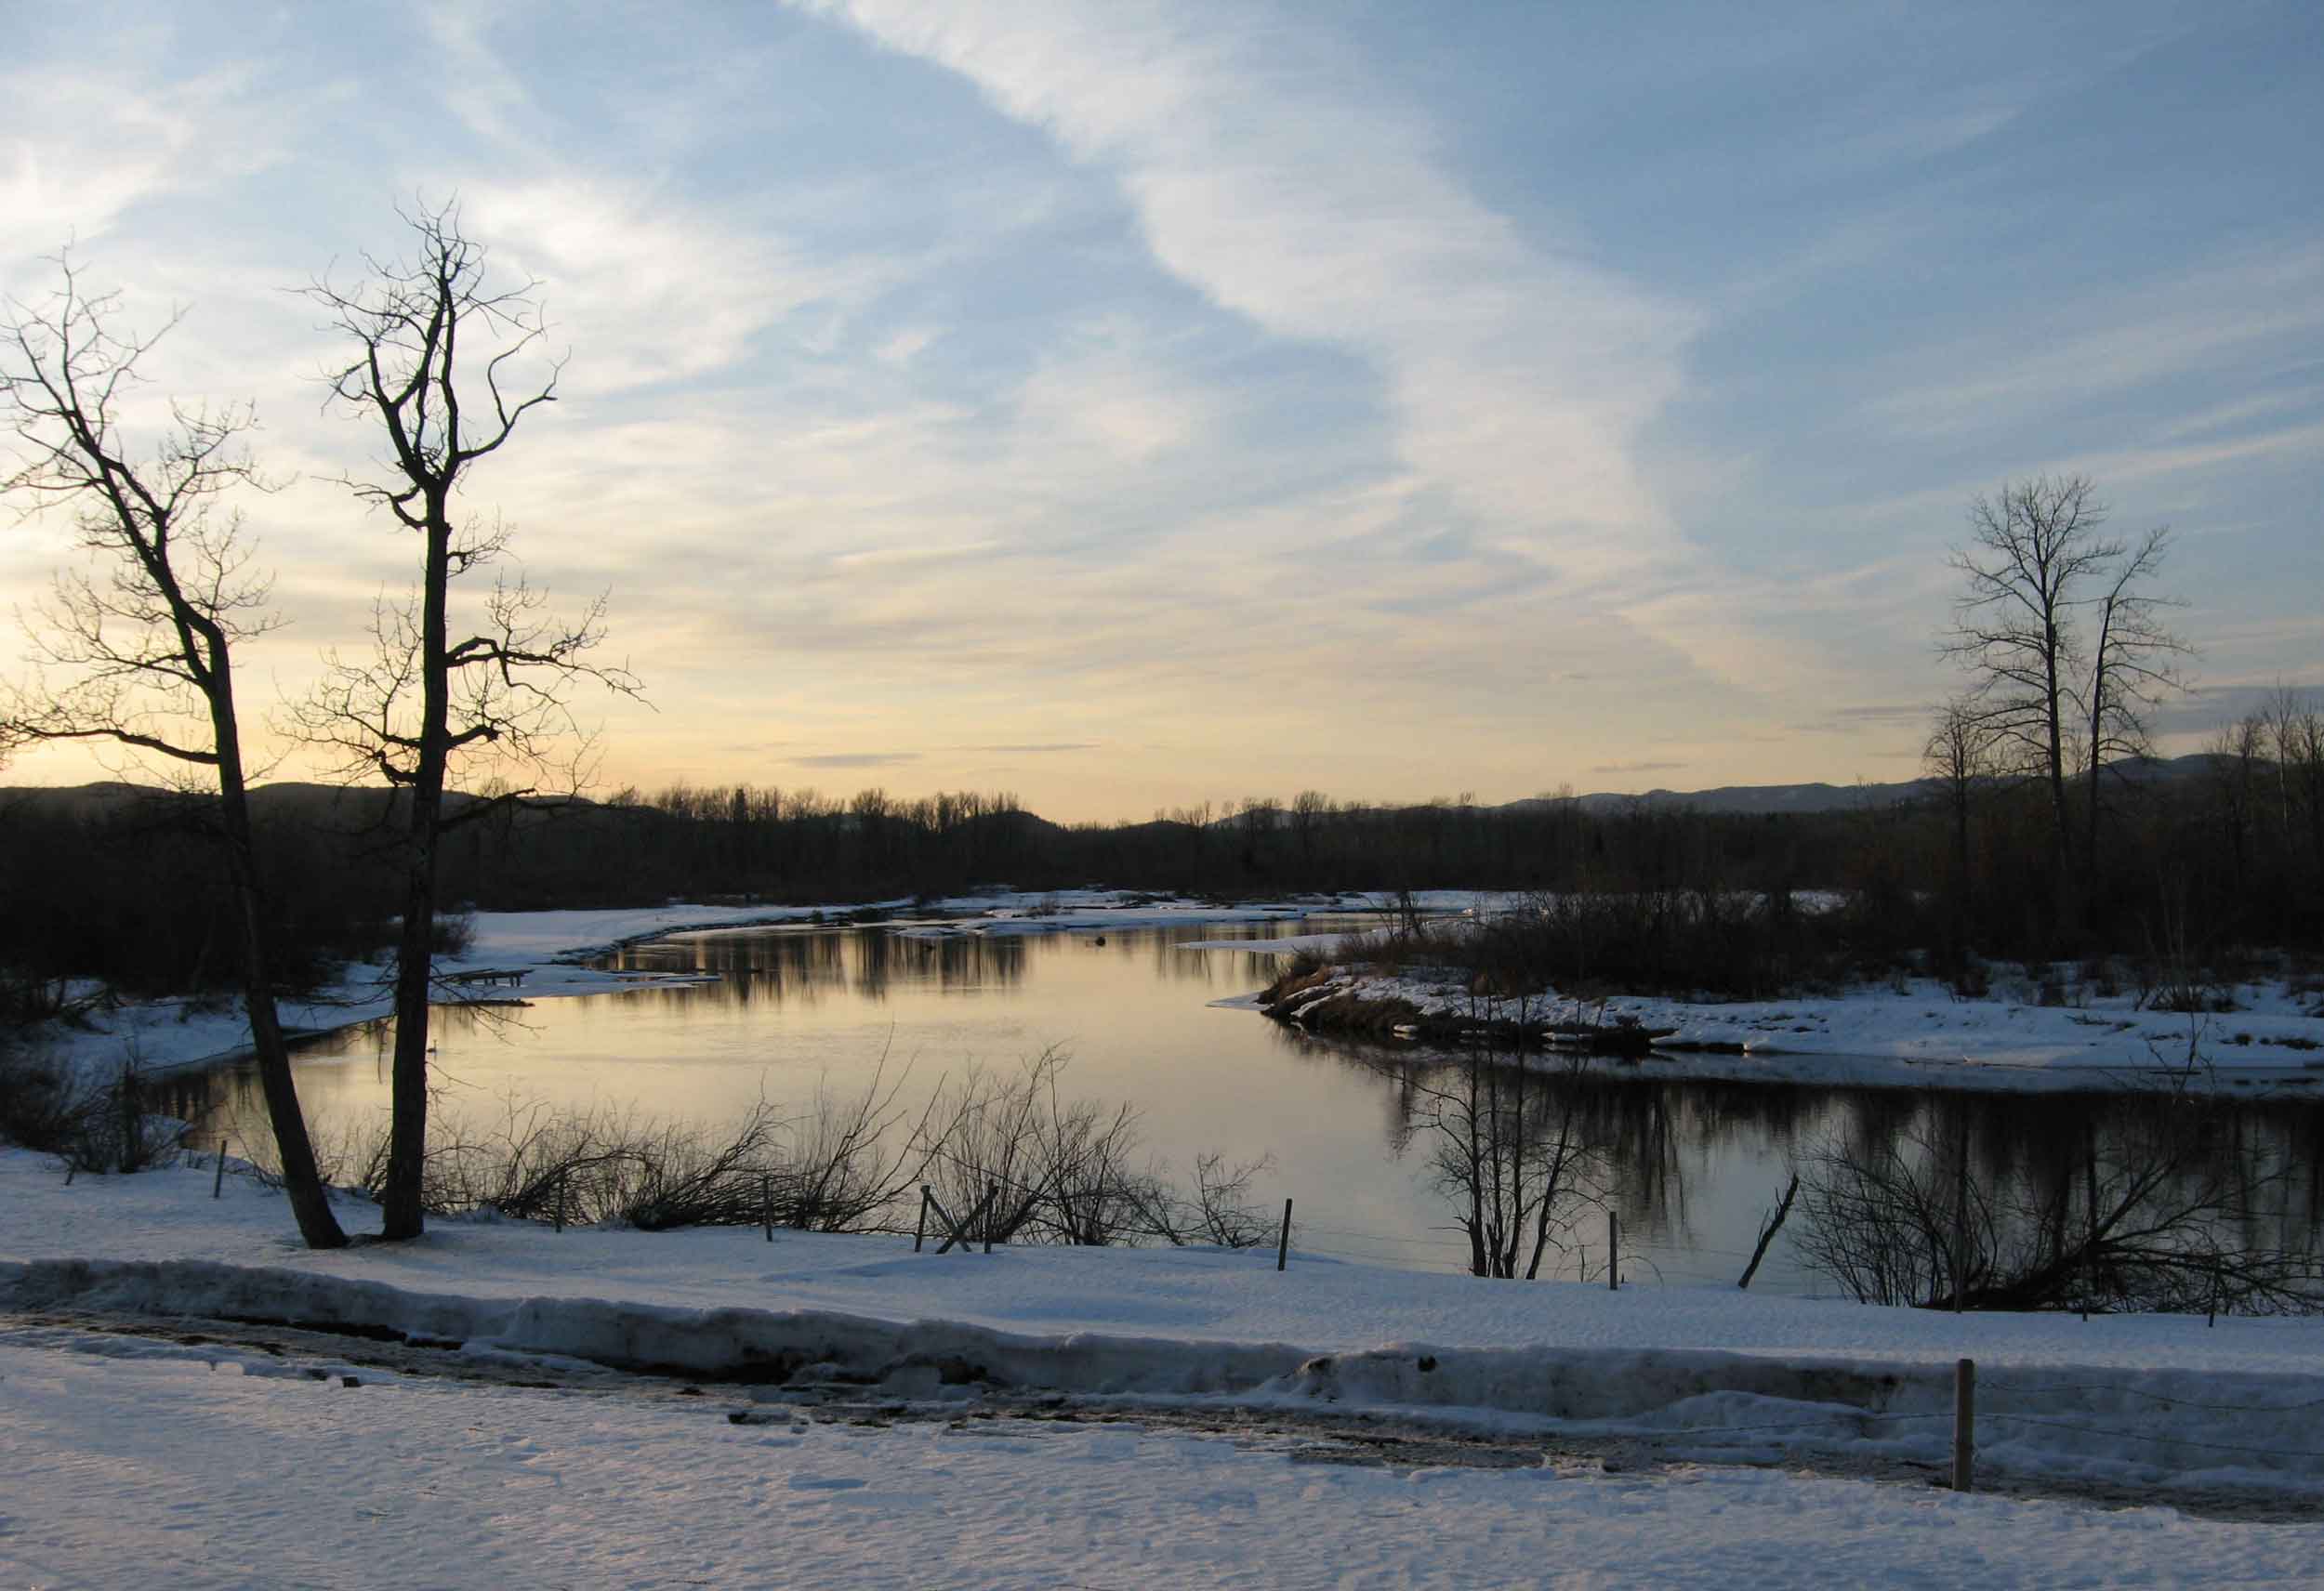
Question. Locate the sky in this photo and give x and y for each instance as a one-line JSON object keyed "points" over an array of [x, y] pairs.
{"points": [[1128, 406]]}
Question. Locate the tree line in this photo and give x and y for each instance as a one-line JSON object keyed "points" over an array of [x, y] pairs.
{"points": [[2198, 857]]}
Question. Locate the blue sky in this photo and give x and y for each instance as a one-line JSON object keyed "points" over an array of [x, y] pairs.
{"points": [[1130, 406]]}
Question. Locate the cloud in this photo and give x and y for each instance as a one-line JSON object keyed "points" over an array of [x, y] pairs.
{"points": [[2194, 321], [856, 759], [1265, 172], [1848, 720], [1635, 767], [1037, 750], [90, 145]]}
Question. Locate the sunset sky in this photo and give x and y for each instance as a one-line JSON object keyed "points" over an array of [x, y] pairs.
{"points": [[1131, 406]]}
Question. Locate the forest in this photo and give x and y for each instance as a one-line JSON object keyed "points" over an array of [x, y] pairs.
{"points": [[2205, 858]]}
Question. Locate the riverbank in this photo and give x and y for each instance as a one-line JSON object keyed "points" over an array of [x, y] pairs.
{"points": [[516, 957], [852, 1411], [1907, 1033], [1747, 1376]]}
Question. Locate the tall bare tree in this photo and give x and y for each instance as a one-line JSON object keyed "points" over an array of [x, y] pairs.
{"points": [[2064, 645], [2133, 665], [446, 361], [1959, 756], [147, 645]]}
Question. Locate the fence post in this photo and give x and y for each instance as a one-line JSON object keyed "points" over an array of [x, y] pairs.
{"points": [[557, 1221], [1964, 1422], [1613, 1252], [1283, 1243], [919, 1234], [218, 1182], [766, 1204], [992, 1196]]}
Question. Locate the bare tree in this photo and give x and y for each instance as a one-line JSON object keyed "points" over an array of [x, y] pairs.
{"points": [[147, 646], [2041, 676], [1506, 1144], [2134, 664], [2033, 544], [1959, 755], [447, 362]]}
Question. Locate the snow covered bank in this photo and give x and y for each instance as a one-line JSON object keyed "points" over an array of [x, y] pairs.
{"points": [[2158, 1402], [158, 1037], [1916, 1034]]}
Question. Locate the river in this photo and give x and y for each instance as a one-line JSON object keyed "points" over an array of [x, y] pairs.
{"points": [[1692, 1164]]}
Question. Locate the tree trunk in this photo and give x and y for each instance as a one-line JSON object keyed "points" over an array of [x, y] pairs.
{"points": [[310, 1203], [402, 1213]]}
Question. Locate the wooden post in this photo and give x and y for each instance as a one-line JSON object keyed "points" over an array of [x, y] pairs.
{"points": [[919, 1234], [2213, 1318], [766, 1204], [218, 1182], [992, 1192], [1613, 1252], [558, 1220], [1283, 1243], [1964, 1422]]}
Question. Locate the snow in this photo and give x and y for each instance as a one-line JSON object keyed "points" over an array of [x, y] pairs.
{"points": [[227, 1466], [2178, 1403], [160, 1037], [1290, 945], [205, 1467], [1918, 1035], [128, 1455]]}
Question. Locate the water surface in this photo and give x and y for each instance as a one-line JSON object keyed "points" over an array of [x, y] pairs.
{"points": [[1694, 1163]]}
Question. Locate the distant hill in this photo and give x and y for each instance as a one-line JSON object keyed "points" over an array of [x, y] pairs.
{"points": [[341, 807], [346, 807], [1757, 799]]}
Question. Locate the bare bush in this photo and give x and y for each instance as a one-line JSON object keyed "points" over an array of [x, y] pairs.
{"points": [[1222, 1212], [2161, 1217], [1046, 1169], [1057, 1170], [91, 1125], [609, 1167], [1507, 1145]]}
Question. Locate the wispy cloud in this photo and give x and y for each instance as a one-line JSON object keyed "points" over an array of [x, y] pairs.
{"points": [[1263, 174], [2111, 342], [856, 759]]}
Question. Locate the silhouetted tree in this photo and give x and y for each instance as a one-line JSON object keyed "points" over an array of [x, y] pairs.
{"points": [[148, 646], [446, 361]]}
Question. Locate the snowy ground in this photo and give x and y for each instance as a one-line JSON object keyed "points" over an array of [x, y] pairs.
{"points": [[199, 1468], [2159, 1400], [1918, 1034], [211, 1463]]}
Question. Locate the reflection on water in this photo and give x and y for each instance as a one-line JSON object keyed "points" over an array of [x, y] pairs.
{"points": [[1694, 1163], [808, 966]]}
